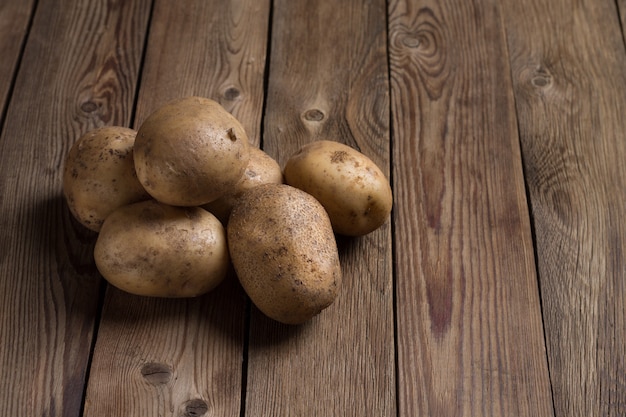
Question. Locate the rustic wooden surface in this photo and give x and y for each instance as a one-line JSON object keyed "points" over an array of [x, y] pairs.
{"points": [[496, 289], [465, 270], [571, 96]]}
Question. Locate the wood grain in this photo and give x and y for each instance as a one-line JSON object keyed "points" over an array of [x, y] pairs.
{"points": [[328, 79], [184, 357], [469, 331], [75, 74], [14, 19], [570, 96]]}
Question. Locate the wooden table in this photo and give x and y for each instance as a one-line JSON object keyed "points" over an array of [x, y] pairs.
{"points": [[497, 288]]}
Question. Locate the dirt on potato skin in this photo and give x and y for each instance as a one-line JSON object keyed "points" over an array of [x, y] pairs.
{"points": [[284, 252]]}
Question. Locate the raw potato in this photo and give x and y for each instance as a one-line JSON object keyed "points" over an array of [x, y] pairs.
{"points": [[353, 190], [261, 169], [190, 152], [153, 249], [99, 175], [284, 252]]}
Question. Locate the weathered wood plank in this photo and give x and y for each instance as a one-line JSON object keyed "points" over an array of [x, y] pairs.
{"points": [[184, 357], [79, 70], [469, 331], [14, 18], [568, 65], [328, 79]]}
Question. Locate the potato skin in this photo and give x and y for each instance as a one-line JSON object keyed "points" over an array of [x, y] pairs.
{"points": [[261, 169], [190, 151], [153, 249], [284, 252], [353, 190], [99, 175]]}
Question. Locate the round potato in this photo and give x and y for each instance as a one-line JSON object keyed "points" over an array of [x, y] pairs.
{"points": [[153, 249], [261, 169], [284, 252], [190, 151], [99, 175], [353, 190]]}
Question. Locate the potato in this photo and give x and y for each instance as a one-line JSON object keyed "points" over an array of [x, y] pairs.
{"points": [[284, 252], [261, 169], [353, 190], [99, 175], [190, 152], [153, 249]]}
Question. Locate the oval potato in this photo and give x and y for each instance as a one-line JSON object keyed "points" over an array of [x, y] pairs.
{"points": [[284, 252], [99, 175], [190, 152], [353, 190], [153, 249]]}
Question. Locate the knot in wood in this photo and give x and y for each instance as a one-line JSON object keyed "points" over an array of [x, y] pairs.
{"points": [[541, 77], [196, 408], [411, 41], [89, 107], [156, 373], [541, 81], [231, 93], [314, 115]]}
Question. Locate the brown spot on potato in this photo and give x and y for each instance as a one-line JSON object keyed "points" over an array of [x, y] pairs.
{"points": [[338, 157], [345, 181], [152, 249]]}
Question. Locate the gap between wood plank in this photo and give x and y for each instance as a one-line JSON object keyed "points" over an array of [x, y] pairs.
{"points": [[18, 65], [394, 252], [248, 303], [142, 63]]}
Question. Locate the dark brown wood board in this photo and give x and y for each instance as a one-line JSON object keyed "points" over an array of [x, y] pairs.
{"points": [[569, 81], [184, 357], [328, 79], [79, 70], [469, 330], [14, 25]]}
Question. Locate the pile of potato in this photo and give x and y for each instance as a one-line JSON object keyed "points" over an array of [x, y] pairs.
{"points": [[183, 197]]}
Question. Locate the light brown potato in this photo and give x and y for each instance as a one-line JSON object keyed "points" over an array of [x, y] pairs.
{"points": [[261, 169], [284, 252], [190, 152], [353, 190], [153, 249], [99, 175]]}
